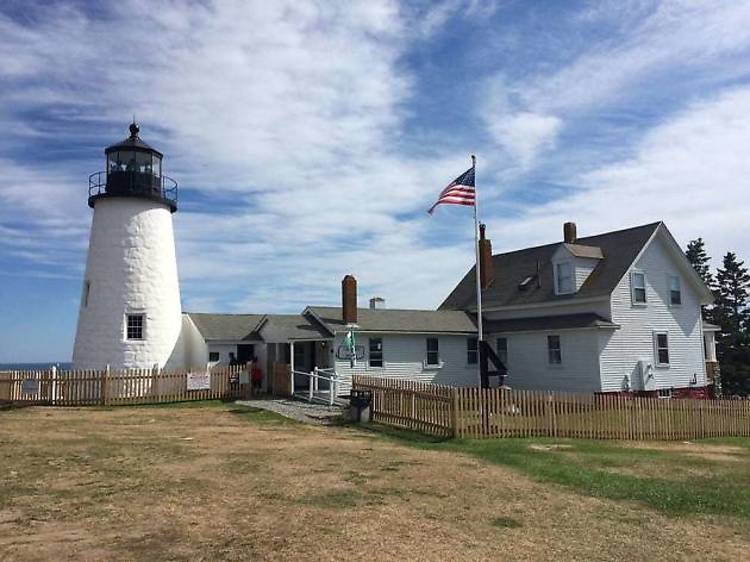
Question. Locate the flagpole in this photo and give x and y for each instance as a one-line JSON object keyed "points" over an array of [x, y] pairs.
{"points": [[480, 337]]}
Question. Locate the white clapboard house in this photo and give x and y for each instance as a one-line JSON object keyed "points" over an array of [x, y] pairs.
{"points": [[616, 312], [429, 345]]}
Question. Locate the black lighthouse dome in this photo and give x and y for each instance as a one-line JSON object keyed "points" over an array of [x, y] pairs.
{"points": [[134, 169]]}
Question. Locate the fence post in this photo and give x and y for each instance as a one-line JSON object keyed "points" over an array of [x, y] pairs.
{"points": [[454, 413], [103, 387], [53, 385]]}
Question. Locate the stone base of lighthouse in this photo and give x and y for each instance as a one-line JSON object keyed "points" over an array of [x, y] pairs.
{"points": [[131, 271]]}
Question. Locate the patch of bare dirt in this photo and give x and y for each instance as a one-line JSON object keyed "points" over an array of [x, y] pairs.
{"points": [[206, 484], [707, 451]]}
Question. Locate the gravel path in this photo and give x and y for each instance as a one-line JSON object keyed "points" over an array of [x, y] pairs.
{"points": [[305, 412]]}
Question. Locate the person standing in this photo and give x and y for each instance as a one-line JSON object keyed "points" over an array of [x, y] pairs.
{"points": [[256, 376]]}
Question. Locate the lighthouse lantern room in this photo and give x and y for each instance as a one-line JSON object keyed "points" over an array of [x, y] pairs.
{"points": [[130, 314]]}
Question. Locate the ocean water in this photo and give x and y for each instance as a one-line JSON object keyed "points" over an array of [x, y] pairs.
{"points": [[61, 365]]}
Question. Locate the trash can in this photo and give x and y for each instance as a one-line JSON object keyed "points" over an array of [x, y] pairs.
{"points": [[360, 403]]}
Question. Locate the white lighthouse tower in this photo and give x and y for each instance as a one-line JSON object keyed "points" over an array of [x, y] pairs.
{"points": [[130, 314]]}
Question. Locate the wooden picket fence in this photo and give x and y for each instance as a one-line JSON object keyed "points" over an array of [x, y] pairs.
{"points": [[424, 407], [486, 413], [116, 388]]}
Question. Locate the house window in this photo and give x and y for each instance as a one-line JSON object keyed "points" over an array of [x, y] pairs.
{"points": [[664, 393], [661, 343], [502, 350], [135, 327], [376, 352], [564, 272], [213, 356], [433, 351], [554, 352], [472, 351], [638, 284], [675, 292]]}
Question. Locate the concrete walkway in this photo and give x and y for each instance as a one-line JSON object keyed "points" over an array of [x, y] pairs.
{"points": [[304, 412]]}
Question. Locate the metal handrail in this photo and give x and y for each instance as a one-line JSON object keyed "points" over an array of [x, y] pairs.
{"points": [[168, 187], [314, 383]]}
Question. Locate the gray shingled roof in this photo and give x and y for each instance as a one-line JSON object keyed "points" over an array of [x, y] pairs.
{"points": [[620, 249], [395, 320], [232, 327], [581, 251], [284, 327], [566, 321]]}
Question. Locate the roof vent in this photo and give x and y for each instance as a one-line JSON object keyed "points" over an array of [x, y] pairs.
{"points": [[523, 285], [377, 303]]}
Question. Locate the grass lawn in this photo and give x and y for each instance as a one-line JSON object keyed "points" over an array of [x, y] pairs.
{"points": [[707, 477], [211, 481]]}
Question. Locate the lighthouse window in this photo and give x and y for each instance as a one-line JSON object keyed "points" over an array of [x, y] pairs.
{"points": [[86, 291], [157, 165], [135, 327], [143, 160]]}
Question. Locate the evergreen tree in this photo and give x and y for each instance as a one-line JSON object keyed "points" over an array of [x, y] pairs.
{"points": [[731, 312], [696, 254], [731, 301]]}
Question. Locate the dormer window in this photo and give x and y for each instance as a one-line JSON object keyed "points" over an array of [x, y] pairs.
{"points": [[564, 282]]}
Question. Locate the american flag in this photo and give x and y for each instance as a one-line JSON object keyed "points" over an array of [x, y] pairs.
{"points": [[459, 192]]}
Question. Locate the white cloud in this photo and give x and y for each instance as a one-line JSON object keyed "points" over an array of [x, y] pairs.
{"points": [[644, 48], [690, 171], [283, 115], [525, 134]]}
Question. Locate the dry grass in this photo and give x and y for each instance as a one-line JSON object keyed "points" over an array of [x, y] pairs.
{"points": [[207, 483]]}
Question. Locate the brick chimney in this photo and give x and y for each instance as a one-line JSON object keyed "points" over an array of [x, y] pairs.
{"points": [[349, 299], [486, 269], [569, 233]]}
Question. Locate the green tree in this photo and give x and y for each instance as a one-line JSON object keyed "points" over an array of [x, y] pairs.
{"points": [[730, 312], [696, 254], [731, 300]]}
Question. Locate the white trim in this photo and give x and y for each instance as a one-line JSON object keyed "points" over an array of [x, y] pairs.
{"points": [[669, 290], [633, 301], [404, 332], [144, 323], [679, 255], [318, 319], [638, 256], [425, 363], [557, 264], [559, 341], [655, 337]]}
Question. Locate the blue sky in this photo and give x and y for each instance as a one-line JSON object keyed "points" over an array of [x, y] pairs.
{"points": [[309, 138]]}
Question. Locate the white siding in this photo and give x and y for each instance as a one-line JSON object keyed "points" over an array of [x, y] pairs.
{"points": [[403, 356], [224, 349], [620, 350], [583, 268], [193, 350], [529, 368]]}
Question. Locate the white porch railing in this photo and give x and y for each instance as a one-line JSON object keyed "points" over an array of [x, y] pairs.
{"points": [[313, 389]]}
